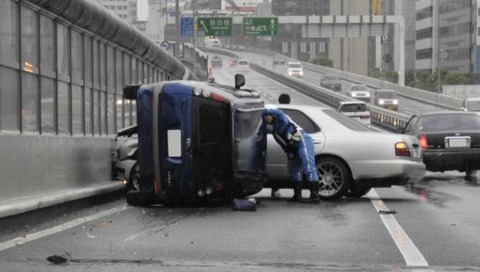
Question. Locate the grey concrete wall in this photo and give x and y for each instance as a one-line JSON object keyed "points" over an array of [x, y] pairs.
{"points": [[37, 164]]}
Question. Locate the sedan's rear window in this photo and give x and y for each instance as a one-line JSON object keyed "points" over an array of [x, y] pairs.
{"points": [[347, 121], [450, 122], [354, 107]]}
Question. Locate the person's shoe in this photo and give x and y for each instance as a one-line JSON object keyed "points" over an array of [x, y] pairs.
{"points": [[297, 193], [314, 196]]}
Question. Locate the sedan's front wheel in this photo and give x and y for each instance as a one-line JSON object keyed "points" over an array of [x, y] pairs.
{"points": [[334, 178]]}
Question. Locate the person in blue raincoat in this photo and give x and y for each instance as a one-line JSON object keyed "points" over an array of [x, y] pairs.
{"points": [[298, 145]]}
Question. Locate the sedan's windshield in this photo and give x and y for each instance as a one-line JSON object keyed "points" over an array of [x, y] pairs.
{"points": [[473, 105], [386, 95], [359, 88]]}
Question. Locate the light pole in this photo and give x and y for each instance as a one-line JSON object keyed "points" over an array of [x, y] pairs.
{"points": [[194, 40], [177, 26]]}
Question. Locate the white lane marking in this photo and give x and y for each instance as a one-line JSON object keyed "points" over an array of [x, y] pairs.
{"points": [[68, 225], [411, 254]]}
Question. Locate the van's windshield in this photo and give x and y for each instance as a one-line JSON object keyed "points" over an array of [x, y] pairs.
{"points": [[294, 65], [245, 128]]}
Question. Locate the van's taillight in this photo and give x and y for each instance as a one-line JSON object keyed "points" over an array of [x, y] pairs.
{"points": [[423, 142], [217, 97], [155, 186], [401, 149], [364, 116]]}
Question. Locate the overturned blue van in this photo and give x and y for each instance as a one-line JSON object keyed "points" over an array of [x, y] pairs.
{"points": [[196, 142]]}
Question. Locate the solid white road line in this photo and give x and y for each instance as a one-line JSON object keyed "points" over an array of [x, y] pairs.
{"points": [[410, 252], [37, 235]]}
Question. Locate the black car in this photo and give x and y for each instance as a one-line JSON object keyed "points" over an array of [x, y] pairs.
{"points": [[450, 140], [331, 82], [217, 61]]}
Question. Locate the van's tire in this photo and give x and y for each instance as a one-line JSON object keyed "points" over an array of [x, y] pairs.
{"points": [[139, 199], [134, 198]]}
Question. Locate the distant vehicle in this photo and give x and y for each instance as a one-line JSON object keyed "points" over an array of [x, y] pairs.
{"points": [[278, 60], [295, 69], [351, 157], [471, 104], [196, 143], [386, 99], [213, 43], [357, 110], [233, 62], [243, 66], [331, 82], [360, 92], [217, 61], [450, 140]]}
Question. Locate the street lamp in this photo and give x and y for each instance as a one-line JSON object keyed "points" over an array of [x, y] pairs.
{"points": [[442, 55], [177, 26]]}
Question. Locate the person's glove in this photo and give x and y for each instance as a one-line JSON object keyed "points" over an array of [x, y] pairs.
{"points": [[297, 136]]}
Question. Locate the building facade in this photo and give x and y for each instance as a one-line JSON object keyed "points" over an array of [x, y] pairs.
{"points": [[344, 52], [447, 36]]}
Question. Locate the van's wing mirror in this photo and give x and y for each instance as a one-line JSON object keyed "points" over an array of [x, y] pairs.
{"points": [[130, 92], [239, 81]]}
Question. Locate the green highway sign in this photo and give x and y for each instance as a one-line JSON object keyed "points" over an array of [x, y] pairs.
{"points": [[260, 26], [214, 26]]}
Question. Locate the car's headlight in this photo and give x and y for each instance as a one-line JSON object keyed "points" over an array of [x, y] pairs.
{"points": [[368, 95], [395, 101], [381, 101], [353, 94]]}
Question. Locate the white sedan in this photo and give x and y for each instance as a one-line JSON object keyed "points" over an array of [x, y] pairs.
{"points": [[351, 157]]}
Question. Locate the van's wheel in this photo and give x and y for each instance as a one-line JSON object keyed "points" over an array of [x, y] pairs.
{"points": [[139, 199], [335, 178], [134, 179]]}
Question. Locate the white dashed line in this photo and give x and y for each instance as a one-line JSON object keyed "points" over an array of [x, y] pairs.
{"points": [[37, 235], [411, 254]]}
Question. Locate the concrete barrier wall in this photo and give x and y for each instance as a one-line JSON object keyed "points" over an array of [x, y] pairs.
{"points": [[36, 164]]}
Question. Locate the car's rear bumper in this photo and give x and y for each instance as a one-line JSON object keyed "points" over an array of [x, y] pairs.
{"points": [[452, 159], [387, 173]]}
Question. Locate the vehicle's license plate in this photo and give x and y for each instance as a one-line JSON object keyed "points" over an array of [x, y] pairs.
{"points": [[457, 142]]}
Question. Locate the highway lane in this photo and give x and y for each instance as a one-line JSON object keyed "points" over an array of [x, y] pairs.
{"points": [[407, 106], [438, 215]]}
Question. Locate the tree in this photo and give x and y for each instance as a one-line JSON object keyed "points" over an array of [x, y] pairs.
{"points": [[321, 59]]}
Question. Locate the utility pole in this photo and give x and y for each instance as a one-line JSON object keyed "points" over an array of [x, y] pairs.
{"points": [[439, 57], [177, 31], [194, 40]]}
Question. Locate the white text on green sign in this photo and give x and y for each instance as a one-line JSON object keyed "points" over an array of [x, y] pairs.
{"points": [[260, 26], [214, 26]]}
